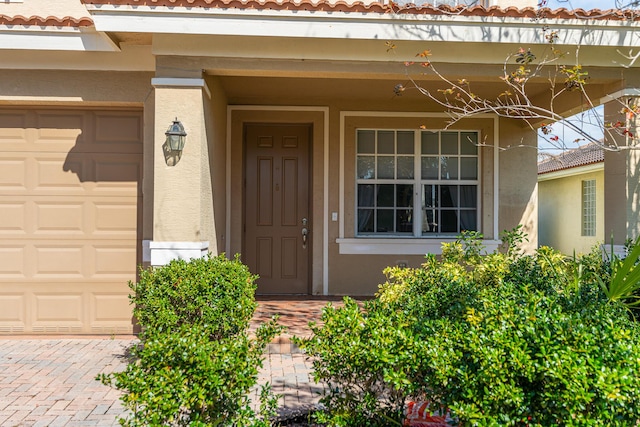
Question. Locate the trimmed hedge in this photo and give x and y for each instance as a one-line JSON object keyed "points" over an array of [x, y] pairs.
{"points": [[195, 364]]}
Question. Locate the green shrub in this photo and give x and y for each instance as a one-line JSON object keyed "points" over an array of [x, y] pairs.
{"points": [[214, 292], [195, 364], [508, 340]]}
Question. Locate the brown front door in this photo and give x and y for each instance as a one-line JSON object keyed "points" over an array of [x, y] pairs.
{"points": [[277, 243]]}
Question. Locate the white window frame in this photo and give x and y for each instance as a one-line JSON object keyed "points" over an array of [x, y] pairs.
{"points": [[417, 182], [588, 208], [413, 246]]}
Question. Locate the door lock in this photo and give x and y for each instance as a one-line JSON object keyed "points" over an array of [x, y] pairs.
{"points": [[305, 232]]}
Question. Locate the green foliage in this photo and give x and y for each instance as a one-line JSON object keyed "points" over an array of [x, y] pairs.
{"points": [[513, 340], [512, 240], [214, 292], [624, 282], [195, 364]]}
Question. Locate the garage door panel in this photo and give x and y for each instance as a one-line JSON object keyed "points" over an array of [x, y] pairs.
{"points": [[115, 217], [13, 219], [69, 200], [66, 219], [13, 312], [59, 260], [13, 131], [119, 128], [116, 172], [60, 217], [58, 131], [58, 308], [57, 172], [13, 173], [13, 263]]}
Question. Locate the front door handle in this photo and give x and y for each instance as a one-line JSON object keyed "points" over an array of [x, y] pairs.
{"points": [[305, 233]]}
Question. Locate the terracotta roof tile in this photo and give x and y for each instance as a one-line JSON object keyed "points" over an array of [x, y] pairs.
{"points": [[581, 156], [49, 21], [358, 6]]}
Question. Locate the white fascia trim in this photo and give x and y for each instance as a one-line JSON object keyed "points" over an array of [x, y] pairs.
{"points": [[161, 253], [368, 26], [399, 246], [579, 170], [633, 92], [54, 38], [325, 197], [180, 82]]}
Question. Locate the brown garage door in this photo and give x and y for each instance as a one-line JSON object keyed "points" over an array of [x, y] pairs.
{"points": [[69, 219]]}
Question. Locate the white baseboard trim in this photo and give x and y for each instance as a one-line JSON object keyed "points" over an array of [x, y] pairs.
{"points": [[161, 253]]}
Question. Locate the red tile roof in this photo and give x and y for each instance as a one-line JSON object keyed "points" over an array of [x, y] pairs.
{"points": [[585, 155], [323, 5], [358, 6], [49, 21]]}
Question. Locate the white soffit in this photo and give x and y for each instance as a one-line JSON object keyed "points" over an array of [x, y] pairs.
{"points": [[35, 37], [357, 25]]}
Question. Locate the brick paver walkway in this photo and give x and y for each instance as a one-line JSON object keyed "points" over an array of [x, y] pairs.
{"points": [[50, 381]]}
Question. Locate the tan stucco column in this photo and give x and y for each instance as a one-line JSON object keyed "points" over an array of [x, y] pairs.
{"points": [[621, 178], [182, 194]]}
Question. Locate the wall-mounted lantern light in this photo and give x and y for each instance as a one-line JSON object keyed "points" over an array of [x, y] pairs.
{"points": [[176, 136]]}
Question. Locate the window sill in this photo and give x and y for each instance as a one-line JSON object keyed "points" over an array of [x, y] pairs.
{"points": [[400, 246]]}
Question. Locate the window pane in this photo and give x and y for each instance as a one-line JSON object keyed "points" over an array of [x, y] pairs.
{"points": [[430, 167], [386, 142], [430, 196], [449, 142], [468, 196], [387, 180], [405, 167], [468, 220], [429, 221], [386, 167], [469, 143], [429, 143], [366, 167], [449, 195], [405, 142], [404, 221], [385, 195], [365, 220], [449, 168], [404, 195], [366, 195], [468, 168], [384, 220], [589, 207], [366, 142], [448, 221]]}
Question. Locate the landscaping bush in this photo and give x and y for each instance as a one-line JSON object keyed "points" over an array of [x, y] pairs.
{"points": [[214, 292], [195, 364], [500, 340]]}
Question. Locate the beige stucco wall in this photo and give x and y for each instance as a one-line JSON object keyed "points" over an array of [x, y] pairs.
{"points": [[518, 180], [621, 180], [183, 203], [560, 212], [216, 115]]}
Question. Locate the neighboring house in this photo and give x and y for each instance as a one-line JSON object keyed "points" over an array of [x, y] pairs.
{"points": [[298, 154], [571, 200]]}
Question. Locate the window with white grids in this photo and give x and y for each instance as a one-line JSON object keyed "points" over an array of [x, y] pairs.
{"points": [[416, 183], [589, 207]]}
